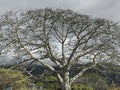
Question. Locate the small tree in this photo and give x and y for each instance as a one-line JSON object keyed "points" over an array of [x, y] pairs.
{"points": [[61, 37]]}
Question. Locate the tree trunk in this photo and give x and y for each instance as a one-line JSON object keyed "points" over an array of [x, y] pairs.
{"points": [[66, 83]]}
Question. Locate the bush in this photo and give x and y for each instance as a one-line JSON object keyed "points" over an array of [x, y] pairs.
{"points": [[13, 78], [113, 87], [49, 83], [81, 87]]}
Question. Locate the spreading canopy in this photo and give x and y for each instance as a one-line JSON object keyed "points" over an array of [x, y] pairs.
{"points": [[62, 37]]}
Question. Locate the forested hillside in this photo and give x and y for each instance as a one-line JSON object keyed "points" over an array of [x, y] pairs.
{"points": [[102, 77]]}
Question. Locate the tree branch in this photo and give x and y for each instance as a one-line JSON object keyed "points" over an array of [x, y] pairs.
{"points": [[83, 70]]}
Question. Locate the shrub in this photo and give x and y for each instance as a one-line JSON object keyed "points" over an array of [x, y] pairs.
{"points": [[13, 78], [49, 83], [81, 87]]}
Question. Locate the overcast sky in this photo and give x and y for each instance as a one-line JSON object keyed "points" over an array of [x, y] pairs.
{"points": [[109, 9], [97, 8]]}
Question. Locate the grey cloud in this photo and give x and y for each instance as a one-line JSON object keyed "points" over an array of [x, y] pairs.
{"points": [[97, 8], [105, 9]]}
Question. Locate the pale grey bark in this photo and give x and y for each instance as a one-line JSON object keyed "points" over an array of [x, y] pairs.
{"points": [[66, 85]]}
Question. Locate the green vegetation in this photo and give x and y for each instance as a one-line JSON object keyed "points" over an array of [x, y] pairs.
{"points": [[81, 87], [95, 80], [14, 79], [51, 83], [89, 81], [48, 83]]}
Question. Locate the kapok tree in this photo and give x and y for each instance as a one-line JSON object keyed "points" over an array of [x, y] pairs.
{"points": [[62, 37]]}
